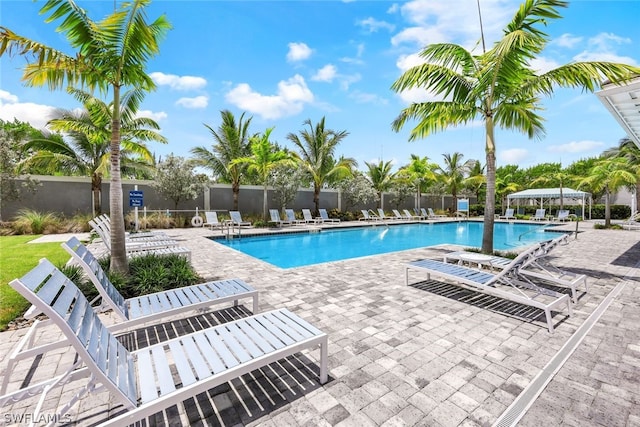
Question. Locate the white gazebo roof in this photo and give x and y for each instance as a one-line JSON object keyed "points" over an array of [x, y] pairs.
{"points": [[623, 102], [536, 193]]}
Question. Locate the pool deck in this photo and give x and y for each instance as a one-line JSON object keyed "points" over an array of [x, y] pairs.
{"points": [[427, 355]]}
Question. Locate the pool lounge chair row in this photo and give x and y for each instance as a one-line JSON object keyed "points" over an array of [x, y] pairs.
{"points": [[380, 215], [307, 217], [512, 283], [153, 378]]}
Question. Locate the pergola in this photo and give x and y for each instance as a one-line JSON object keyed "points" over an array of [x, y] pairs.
{"points": [[540, 194], [623, 102]]}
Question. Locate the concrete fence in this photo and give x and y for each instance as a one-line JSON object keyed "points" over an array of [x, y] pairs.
{"points": [[72, 195]]}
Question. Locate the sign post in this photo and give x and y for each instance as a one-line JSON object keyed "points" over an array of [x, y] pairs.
{"points": [[136, 200]]}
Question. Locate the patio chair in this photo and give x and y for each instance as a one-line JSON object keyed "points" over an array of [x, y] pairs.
{"points": [[211, 220], [398, 215], [324, 216], [141, 247], [432, 214], [540, 215], [537, 267], [368, 216], [508, 214], [633, 223], [102, 226], [504, 285], [409, 215], [291, 217], [308, 218], [274, 214], [563, 215], [383, 215], [154, 378], [236, 219]]}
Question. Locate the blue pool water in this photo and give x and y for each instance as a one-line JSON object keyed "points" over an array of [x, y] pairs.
{"points": [[300, 249]]}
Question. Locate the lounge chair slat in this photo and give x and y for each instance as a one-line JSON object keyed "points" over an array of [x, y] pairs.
{"points": [[298, 320], [146, 377], [77, 314], [234, 344], [174, 298], [237, 329], [182, 363], [165, 304], [112, 359], [256, 337], [271, 339], [103, 349], [268, 322], [196, 358], [64, 300], [165, 380], [292, 328], [134, 308], [209, 353], [154, 303], [51, 287], [94, 343], [221, 347], [145, 306], [86, 325], [36, 276]]}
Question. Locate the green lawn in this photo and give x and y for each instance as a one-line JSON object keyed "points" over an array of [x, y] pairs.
{"points": [[16, 258]]}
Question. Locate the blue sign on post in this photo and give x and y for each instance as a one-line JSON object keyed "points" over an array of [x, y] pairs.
{"points": [[136, 199]]}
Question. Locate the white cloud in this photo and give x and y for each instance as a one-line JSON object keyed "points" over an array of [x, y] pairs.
{"points": [[541, 65], [576, 147], [37, 115], [290, 99], [419, 35], [602, 47], [606, 41], [347, 79], [368, 98], [372, 25], [157, 116], [197, 102], [604, 56], [405, 62], [178, 82], [567, 40], [394, 8], [325, 74], [513, 156], [298, 52]]}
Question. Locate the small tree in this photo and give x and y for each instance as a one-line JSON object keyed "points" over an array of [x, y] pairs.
{"points": [[285, 180], [401, 190], [357, 190], [176, 180]]}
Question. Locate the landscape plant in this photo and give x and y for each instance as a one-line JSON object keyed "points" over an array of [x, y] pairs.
{"points": [[176, 180]]}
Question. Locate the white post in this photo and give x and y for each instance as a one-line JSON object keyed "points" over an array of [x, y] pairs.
{"points": [[135, 187]]}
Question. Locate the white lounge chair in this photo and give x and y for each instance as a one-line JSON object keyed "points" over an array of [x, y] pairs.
{"points": [[398, 215], [141, 247], [368, 216], [157, 377], [236, 219], [432, 214], [324, 216], [274, 214], [504, 285], [105, 223], [383, 215], [409, 215], [540, 215], [291, 217], [508, 214], [308, 218], [211, 220], [633, 223], [537, 267]]}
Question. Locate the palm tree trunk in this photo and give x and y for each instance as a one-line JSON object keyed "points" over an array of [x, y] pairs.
{"points": [[119, 261], [607, 209], [96, 187], [316, 196], [637, 196], [264, 204], [490, 199], [236, 194]]}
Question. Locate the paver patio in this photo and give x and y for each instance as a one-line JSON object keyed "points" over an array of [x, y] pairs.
{"points": [[428, 354]]}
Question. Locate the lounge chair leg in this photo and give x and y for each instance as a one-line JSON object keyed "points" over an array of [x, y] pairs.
{"points": [[547, 313], [324, 352], [255, 304]]}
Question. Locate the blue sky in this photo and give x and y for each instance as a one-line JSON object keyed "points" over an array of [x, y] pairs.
{"points": [[283, 62]]}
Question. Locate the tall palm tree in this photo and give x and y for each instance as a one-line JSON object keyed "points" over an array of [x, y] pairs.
{"points": [[498, 86], [111, 56], [628, 150], [231, 143], [419, 171], [381, 178], [609, 175], [89, 143], [476, 179], [560, 178], [265, 157], [317, 146], [453, 174]]}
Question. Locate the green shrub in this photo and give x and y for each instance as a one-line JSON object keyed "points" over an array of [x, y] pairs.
{"points": [[617, 211], [29, 221]]}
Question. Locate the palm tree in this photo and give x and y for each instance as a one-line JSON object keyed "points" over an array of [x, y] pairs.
{"points": [[231, 143], [317, 146], [265, 158], [498, 86], [560, 178], [609, 175], [111, 56], [419, 171], [453, 174], [381, 178], [628, 150], [476, 179], [87, 151]]}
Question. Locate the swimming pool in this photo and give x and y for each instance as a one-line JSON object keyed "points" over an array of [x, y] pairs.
{"points": [[300, 249]]}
